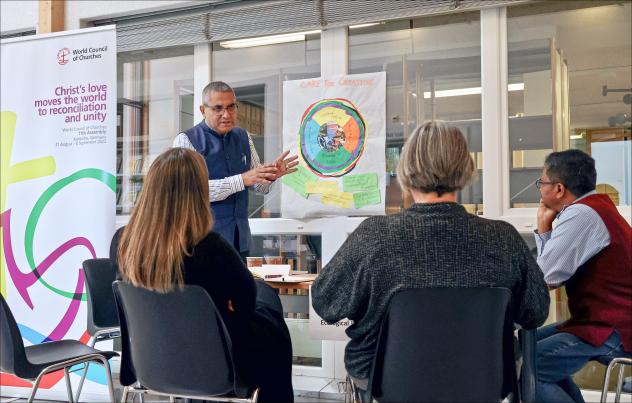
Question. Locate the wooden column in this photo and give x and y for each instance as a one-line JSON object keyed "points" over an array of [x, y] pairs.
{"points": [[51, 16]]}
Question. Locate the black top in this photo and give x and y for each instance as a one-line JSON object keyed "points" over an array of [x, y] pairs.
{"points": [[215, 266], [427, 245]]}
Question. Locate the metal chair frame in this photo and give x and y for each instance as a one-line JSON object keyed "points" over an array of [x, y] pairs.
{"points": [[65, 365], [21, 367], [103, 333], [142, 390], [622, 361], [99, 335]]}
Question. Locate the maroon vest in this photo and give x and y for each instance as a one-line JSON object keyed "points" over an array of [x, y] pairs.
{"points": [[600, 291]]}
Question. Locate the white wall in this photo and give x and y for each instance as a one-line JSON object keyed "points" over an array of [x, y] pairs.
{"points": [[163, 100], [18, 15], [79, 11], [22, 15]]}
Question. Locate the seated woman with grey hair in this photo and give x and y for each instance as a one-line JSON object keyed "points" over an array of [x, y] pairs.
{"points": [[434, 243]]}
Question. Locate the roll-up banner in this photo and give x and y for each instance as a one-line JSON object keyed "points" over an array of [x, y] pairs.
{"points": [[58, 187]]}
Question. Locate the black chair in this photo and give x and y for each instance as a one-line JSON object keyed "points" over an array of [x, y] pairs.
{"points": [[176, 345], [103, 322], [446, 345], [33, 362]]}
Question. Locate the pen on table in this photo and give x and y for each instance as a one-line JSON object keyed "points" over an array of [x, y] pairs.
{"points": [[268, 276]]}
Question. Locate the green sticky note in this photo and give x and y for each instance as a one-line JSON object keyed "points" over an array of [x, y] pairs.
{"points": [[359, 183], [298, 179], [367, 198]]}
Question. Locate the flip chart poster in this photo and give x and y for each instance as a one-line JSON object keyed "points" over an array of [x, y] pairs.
{"points": [[337, 127]]}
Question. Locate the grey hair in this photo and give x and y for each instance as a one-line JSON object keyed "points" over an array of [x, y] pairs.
{"points": [[215, 86], [435, 159]]}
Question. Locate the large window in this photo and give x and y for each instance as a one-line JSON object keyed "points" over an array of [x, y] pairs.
{"points": [[257, 75], [569, 63], [433, 71], [155, 103]]}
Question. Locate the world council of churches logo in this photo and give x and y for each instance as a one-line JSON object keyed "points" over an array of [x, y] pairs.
{"points": [[62, 56]]}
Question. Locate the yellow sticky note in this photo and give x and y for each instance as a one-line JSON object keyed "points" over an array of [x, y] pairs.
{"points": [[338, 199], [321, 187], [331, 115]]}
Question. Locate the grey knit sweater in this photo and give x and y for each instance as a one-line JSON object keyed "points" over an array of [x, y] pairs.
{"points": [[427, 245]]}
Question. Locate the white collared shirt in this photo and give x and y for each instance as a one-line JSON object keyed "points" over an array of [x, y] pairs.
{"points": [[578, 235]]}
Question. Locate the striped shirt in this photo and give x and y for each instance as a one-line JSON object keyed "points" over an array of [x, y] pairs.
{"points": [[220, 189], [579, 235]]}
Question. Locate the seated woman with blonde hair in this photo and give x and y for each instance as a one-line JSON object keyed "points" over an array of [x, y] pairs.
{"points": [[434, 243], [169, 242]]}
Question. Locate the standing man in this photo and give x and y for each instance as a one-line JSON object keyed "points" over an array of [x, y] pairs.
{"points": [[232, 162], [590, 252]]}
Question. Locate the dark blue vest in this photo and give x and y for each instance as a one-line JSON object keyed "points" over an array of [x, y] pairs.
{"points": [[226, 155]]}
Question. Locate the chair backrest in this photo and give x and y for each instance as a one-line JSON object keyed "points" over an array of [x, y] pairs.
{"points": [[100, 274], [176, 342], [445, 344], [12, 353]]}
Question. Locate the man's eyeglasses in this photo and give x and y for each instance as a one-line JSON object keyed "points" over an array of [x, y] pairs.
{"points": [[539, 182], [219, 110]]}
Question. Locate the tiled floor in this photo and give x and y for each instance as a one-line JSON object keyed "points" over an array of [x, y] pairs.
{"points": [[297, 399], [328, 394]]}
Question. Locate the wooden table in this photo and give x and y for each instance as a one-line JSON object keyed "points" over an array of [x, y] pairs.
{"points": [[282, 285]]}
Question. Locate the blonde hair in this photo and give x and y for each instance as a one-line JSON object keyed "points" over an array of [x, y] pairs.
{"points": [[435, 159], [172, 215]]}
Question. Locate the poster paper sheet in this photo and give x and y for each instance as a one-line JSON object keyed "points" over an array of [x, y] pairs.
{"points": [[337, 127]]}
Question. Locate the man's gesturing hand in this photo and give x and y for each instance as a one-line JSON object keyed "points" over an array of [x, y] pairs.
{"points": [[285, 165], [264, 174]]}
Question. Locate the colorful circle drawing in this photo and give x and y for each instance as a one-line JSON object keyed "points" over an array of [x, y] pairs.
{"points": [[332, 137]]}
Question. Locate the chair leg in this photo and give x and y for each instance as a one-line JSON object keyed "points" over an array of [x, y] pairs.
{"points": [[255, 396], [35, 386], [68, 386], [606, 381], [125, 393], [619, 384], [91, 342], [355, 394], [138, 393], [83, 378], [108, 374]]}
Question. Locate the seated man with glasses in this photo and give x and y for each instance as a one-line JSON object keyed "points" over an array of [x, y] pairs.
{"points": [[232, 162], [589, 251]]}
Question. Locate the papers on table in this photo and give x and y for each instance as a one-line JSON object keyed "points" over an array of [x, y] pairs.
{"points": [[280, 273], [297, 278], [271, 271]]}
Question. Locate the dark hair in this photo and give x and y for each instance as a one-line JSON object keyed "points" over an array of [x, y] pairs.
{"points": [[215, 86], [574, 169]]}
